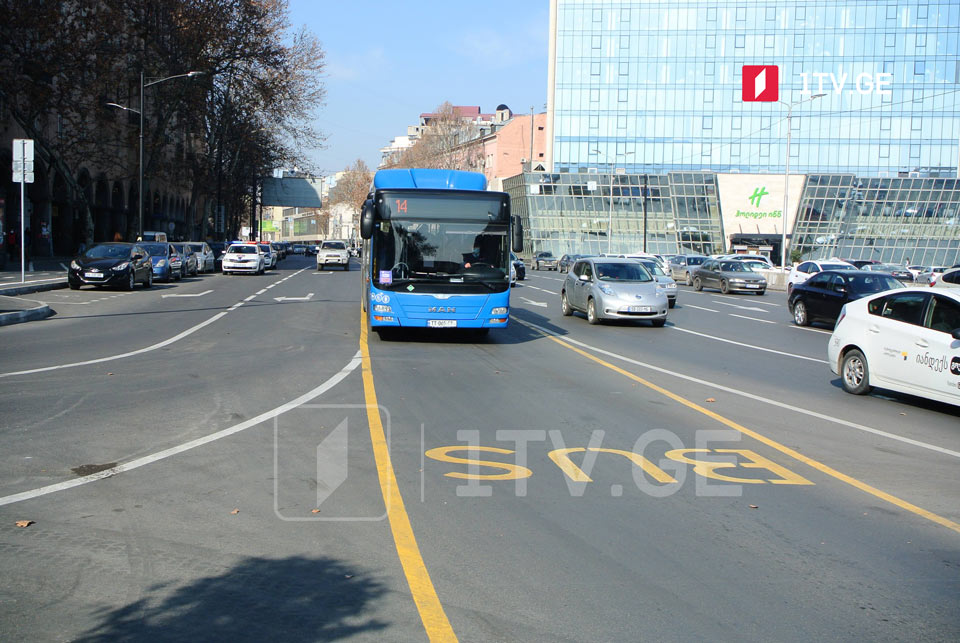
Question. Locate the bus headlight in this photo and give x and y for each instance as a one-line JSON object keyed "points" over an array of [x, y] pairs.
{"points": [[380, 308], [499, 311]]}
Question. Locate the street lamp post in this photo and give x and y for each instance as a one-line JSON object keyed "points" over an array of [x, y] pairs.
{"points": [[786, 181], [144, 83], [610, 216]]}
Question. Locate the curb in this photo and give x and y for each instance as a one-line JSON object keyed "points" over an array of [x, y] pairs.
{"points": [[30, 314], [26, 290]]}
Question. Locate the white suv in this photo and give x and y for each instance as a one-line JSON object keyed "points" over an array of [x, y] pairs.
{"points": [[333, 253]]}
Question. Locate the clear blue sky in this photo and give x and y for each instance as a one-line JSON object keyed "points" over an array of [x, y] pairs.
{"points": [[390, 60]]}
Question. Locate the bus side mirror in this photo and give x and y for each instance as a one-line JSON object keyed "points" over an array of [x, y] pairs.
{"points": [[366, 219], [517, 235]]}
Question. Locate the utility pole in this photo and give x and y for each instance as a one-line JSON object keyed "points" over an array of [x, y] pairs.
{"points": [[531, 138]]}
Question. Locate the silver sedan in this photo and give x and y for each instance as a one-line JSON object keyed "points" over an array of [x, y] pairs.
{"points": [[613, 288]]}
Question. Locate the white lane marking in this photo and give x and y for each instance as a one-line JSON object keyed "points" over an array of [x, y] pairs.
{"points": [[758, 398], [811, 330], [700, 308], [139, 351], [305, 298], [765, 321], [534, 303], [196, 294], [186, 446], [250, 298], [543, 290], [713, 294], [271, 286], [753, 308], [261, 291], [758, 348]]}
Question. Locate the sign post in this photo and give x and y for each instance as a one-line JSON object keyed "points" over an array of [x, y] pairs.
{"points": [[23, 174]]}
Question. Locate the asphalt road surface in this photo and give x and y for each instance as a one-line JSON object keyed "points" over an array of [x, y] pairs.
{"points": [[234, 458]]}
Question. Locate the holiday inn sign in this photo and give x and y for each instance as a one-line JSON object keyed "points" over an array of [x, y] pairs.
{"points": [[753, 203]]}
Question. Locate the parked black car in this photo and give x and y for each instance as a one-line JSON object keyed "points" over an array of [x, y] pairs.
{"points": [[519, 266], [820, 298], [566, 262], [111, 264]]}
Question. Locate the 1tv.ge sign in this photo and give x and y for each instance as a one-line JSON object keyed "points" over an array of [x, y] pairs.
{"points": [[761, 83]]}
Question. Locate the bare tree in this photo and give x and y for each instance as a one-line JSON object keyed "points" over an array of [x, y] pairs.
{"points": [[444, 143]]}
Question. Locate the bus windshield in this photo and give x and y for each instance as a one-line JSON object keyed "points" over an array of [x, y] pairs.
{"points": [[440, 251]]}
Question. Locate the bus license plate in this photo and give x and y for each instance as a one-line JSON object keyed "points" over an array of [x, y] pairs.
{"points": [[641, 309], [442, 323]]}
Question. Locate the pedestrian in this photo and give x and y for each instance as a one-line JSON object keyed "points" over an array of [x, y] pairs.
{"points": [[11, 243], [45, 240]]}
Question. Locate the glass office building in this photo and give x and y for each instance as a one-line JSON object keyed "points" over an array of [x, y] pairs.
{"points": [[653, 86], [895, 220]]}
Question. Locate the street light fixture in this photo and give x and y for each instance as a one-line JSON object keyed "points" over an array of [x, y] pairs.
{"points": [[610, 217], [786, 180], [144, 83]]}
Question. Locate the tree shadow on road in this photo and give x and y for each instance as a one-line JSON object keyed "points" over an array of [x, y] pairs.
{"points": [[290, 599]]}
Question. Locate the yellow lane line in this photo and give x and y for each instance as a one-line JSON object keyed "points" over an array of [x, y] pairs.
{"points": [[819, 466], [421, 587]]}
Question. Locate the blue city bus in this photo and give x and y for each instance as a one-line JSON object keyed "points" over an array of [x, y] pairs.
{"points": [[436, 251]]}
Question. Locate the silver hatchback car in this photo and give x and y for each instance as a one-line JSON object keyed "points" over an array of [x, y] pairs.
{"points": [[613, 288]]}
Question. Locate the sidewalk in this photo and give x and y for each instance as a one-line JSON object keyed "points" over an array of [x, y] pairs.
{"points": [[48, 273]]}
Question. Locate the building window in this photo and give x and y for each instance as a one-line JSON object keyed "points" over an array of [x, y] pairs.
{"points": [[798, 41], [711, 41], [739, 41], [922, 12], [624, 15], [594, 95], [891, 40], [625, 41], [921, 40], [771, 13], [888, 66], [741, 14], [914, 151], [708, 122], [884, 151], [705, 150], [891, 12], [595, 42], [768, 41], [711, 14], [764, 150], [597, 15], [594, 121], [708, 69], [736, 122], [885, 124], [708, 96], [624, 69], [801, 14], [621, 95], [919, 68], [595, 69], [915, 123], [735, 150]]}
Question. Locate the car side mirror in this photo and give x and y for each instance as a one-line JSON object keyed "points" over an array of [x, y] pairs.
{"points": [[517, 241], [584, 277], [366, 219], [137, 257]]}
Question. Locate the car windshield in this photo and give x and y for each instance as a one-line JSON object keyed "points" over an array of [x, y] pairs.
{"points": [[833, 266], [653, 268], [155, 249], [755, 266], [734, 266], [243, 250], [333, 245], [545, 255], [866, 284], [265, 247], [107, 252], [695, 261], [883, 267], [622, 272], [196, 247]]}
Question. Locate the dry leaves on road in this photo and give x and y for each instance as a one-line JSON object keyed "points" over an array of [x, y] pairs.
{"points": [[25, 523], [710, 399], [235, 512]]}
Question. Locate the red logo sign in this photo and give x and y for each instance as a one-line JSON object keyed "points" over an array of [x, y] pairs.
{"points": [[761, 83]]}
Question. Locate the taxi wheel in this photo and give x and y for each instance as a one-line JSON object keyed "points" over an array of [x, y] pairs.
{"points": [[697, 284], [565, 307], [592, 312], [854, 373], [800, 316]]}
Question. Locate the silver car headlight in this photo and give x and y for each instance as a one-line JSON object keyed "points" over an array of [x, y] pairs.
{"points": [[606, 290], [75, 265]]}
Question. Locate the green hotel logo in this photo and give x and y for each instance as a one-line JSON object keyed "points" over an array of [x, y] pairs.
{"points": [[758, 194]]}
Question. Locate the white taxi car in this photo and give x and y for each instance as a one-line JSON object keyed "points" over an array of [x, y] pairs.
{"points": [[333, 253], [243, 257], [905, 340], [807, 269]]}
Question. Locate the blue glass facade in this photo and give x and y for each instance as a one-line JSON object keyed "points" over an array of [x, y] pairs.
{"points": [[654, 86]]}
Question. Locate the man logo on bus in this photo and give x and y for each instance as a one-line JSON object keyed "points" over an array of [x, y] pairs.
{"points": [[761, 83], [758, 193]]}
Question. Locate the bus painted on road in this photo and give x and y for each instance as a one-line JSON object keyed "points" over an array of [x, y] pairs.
{"points": [[436, 251]]}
